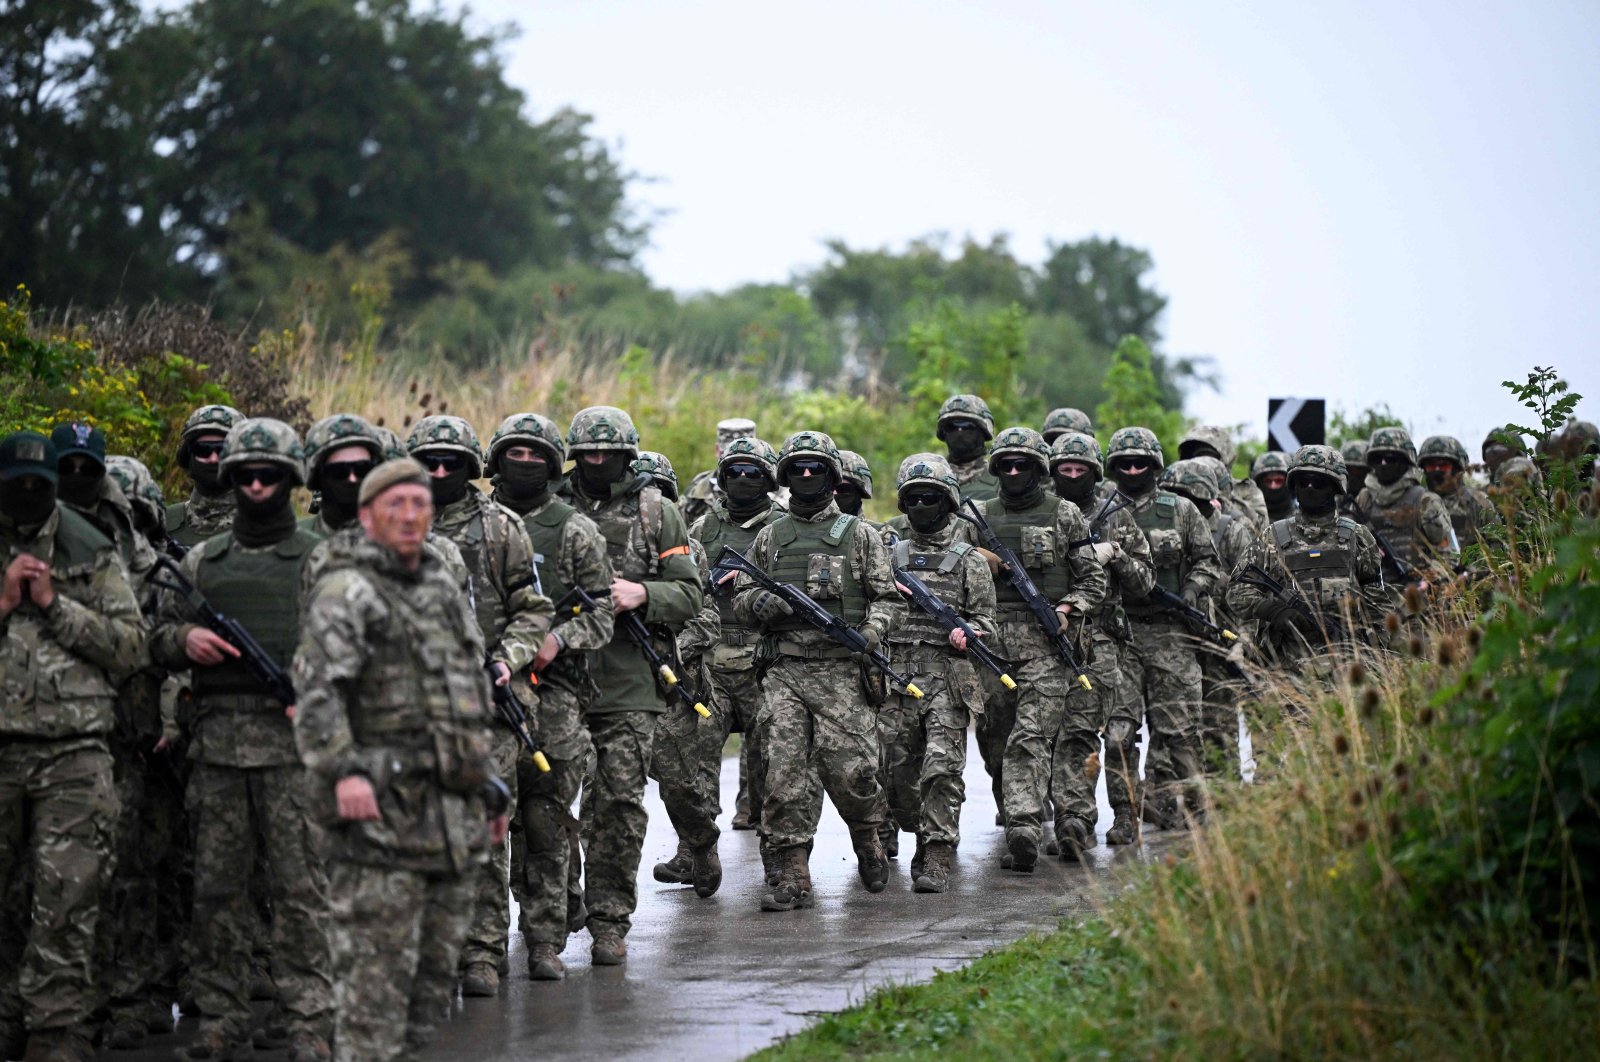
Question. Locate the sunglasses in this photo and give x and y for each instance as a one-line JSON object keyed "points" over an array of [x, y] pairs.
{"points": [[1011, 465], [962, 425], [207, 448], [1373, 460], [448, 462], [78, 466], [743, 471], [334, 471], [923, 501], [266, 475], [815, 468]]}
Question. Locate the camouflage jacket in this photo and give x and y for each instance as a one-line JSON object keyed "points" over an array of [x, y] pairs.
{"points": [[513, 617], [1470, 512], [1233, 535], [1132, 571], [977, 482], [699, 497], [392, 686], [113, 514], [62, 665], [707, 628], [200, 516], [976, 603], [1413, 519], [1247, 499], [1199, 565], [1314, 536], [442, 549]]}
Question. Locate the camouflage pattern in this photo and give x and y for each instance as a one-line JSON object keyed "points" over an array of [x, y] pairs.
{"points": [[1470, 508], [731, 429], [1135, 442], [1065, 419], [696, 499], [1208, 436], [113, 513], [391, 683], [1412, 519], [262, 440], [1220, 692], [659, 469], [1270, 461], [603, 428], [138, 486], [966, 407], [1193, 478], [809, 444], [335, 433], [1354, 453], [1392, 440], [393, 447], [1447, 447], [449, 434], [975, 477], [1323, 459], [1019, 441], [1077, 446], [856, 470], [207, 420], [200, 516], [527, 429]]}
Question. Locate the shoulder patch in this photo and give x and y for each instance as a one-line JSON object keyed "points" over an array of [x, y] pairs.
{"points": [[840, 528]]}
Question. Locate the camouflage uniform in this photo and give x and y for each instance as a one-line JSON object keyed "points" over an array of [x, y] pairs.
{"points": [[647, 543], [659, 469], [1272, 461], [246, 780], [392, 687], [1117, 700], [1241, 497], [1060, 421], [1020, 728], [1161, 659], [1410, 517], [925, 740], [203, 513], [702, 489], [1354, 454], [569, 551], [977, 481], [58, 807], [813, 716], [513, 618], [1470, 508]]}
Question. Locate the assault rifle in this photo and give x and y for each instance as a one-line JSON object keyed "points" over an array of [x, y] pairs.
{"points": [[1403, 571], [578, 600], [929, 602], [1160, 595], [514, 714], [1044, 613], [814, 614], [1333, 630], [256, 659]]}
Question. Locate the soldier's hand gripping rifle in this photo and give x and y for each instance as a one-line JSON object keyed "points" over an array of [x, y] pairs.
{"points": [[514, 714], [1161, 596], [929, 602], [577, 601], [807, 610], [1332, 629], [1044, 613], [252, 655]]}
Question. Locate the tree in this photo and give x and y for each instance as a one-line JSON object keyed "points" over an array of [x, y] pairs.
{"points": [[1134, 397], [1100, 284]]}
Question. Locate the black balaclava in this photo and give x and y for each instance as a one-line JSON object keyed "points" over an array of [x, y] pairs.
{"points": [[452, 486], [849, 497], [747, 495], [261, 523], [80, 488], [340, 496], [207, 480], [927, 519], [1277, 500], [809, 495], [1315, 494], [1019, 492], [523, 484], [26, 502], [1438, 481], [964, 443], [1074, 489], [1390, 472], [1131, 484], [596, 480]]}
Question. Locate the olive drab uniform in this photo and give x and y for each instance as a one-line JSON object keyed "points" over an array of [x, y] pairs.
{"points": [[392, 687], [61, 668]]}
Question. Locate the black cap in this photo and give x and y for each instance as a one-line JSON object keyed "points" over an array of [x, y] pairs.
{"points": [[76, 437], [27, 453]]}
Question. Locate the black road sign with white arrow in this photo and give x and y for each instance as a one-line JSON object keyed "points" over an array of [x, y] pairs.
{"points": [[1295, 422]]}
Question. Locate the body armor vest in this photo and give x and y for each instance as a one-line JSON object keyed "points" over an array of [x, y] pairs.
{"points": [[816, 558], [632, 529], [1219, 531], [944, 573], [259, 589], [1398, 523], [1031, 534], [717, 531], [1323, 572], [544, 531], [1159, 522]]}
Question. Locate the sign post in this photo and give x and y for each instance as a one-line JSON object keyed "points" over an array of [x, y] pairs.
{"points": [[1295, 422]]}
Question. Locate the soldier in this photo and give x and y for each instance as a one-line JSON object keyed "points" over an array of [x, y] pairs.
{"points": [[1123, 552], [73, 633], [925, 740], [526, 455], [1354, 455], [209, 508], [813, 713], [856, 486], [1240, 496], [1498, 446], [513, 618], [1018, 729], [702, 488], [1060, 421], [1271, 474], [149, 508], [393, 727], [340, 451], [246, 781], [965, 427], [688, 754], [1160, 658], [1327, 556], [655, 576], [1444, 463], [659, 469], [1400, 508]]}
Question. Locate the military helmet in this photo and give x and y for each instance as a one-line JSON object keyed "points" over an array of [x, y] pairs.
{"points": [[1518, 471], [1212, 435], [752, 450], [966, 407], [1502, 437], [1219, 472], [856, 470], [1321, 459], [393, 448], [660, 470], [138, 485], [207, 420], [603, 428], [1272, 461], [443, 432], [1078, 446], [1193, 476], [335, 433], [928, 470], [1392, 441], [1135, 442], [1020, 440], [1445, 446], [735, 428], [262, 440], [810, 444], [1065, 419], [1580, 437], [527, 429], [1354, 452]]}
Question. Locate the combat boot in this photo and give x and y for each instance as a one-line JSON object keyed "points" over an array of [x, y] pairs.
{"points": [[871, 864], [212, 1043], [678, 870], [480, 979], [58, 1045], [577, 913], [889, 837], [771, 863], [1023, 848], [307, 1046], [917, 858], [706, 870], [934, 875], [126, 1033], [544, 964], [793, 888], [1074, 837], [609, 949]]}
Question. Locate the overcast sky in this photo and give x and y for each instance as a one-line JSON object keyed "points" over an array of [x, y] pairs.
{"points": [[1355, 201]]}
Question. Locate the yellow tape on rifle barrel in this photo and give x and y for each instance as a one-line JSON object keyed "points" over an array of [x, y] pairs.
{"points": [[1008, 682], [540, 762]]}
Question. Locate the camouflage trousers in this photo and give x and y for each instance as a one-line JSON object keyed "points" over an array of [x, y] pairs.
{"points": [[1045, 695], [396, 937], [924, 756], [227, 807], [1116, 708], [58, 810], [614, 817], [687, 761], [1162, 665], [815, 725], [993, 729], [489, 930], [1220, 695], [541, 848]]}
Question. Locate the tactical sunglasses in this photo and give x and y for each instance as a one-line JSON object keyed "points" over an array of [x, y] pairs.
{"points": [[815, 468], [334, 471], [1009, 465], [961, 425], [266, 475], [1374, 460], [207, 448], [923, 500], [743, 471], [448, 462]]}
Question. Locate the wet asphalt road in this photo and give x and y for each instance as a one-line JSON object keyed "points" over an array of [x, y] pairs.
{"points": [[718, 978]]}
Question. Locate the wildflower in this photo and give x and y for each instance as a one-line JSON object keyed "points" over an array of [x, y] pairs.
{"points": [[1414, 647], [1448, 651], [1426, 716], [1358, 673], [1341, 744], [1370, 700]]}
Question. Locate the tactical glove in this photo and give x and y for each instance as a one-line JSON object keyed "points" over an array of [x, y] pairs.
{"points": [[768, 607]]}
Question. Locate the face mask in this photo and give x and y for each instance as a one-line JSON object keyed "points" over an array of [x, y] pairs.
{"points": [[1075, 488], [207, 479], [849, 499], [27, 501], [1274, 497], [1136, 485], [524, 479], [80, 488], [743, 492], [450, 487], [597, 478], [1390, 472], [267, 507], [1021, 485], [1315, 494], [340, 495], [809, 494], [928, 518], [1437, 479], [964, 444]]}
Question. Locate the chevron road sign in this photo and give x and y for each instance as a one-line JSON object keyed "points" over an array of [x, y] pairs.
{"points": [[1295, 422]]}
